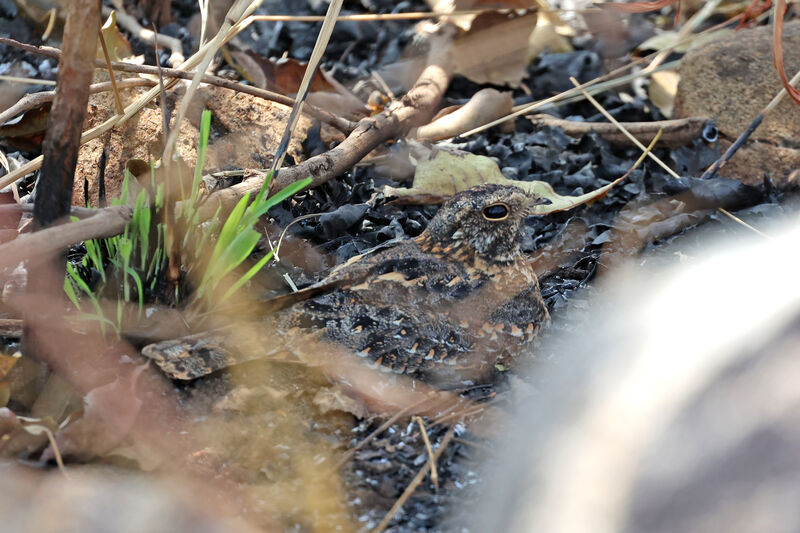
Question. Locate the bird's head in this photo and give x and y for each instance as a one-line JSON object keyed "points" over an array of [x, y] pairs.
{"points": [[487, 218]]}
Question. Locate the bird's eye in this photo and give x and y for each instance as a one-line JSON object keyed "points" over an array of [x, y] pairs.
{"points": [[495, 212]]}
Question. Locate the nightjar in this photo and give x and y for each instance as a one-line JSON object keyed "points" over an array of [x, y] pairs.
{"points": [[445, 307]]}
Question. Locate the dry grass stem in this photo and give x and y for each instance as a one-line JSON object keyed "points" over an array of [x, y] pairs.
{"points": [[431, 460], [674, 132], [625, 132], [31, 81], [414, 483], [311, 68], [111, 78]]}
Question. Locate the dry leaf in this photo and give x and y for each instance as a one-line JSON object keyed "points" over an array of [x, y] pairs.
{"points": [[117, 45], [549, 36], [662, 90], [285, 75], [485, 106], [27, 131], [495, 50], [7, 362], [445, 173], [499, 47], [109, 415]]}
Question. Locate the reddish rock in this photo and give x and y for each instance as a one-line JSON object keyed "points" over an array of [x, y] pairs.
{"points": [[731, 80]]}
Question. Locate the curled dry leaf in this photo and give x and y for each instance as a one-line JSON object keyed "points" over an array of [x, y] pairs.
{"points": [[118, 46], [26, 132], [445, 173], [485, 106]]}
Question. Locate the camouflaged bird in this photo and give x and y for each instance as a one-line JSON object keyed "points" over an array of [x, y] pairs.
{"points": [[444, 307]]}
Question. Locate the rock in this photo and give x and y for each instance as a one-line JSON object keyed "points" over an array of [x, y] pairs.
{"points": [[731, 80]]}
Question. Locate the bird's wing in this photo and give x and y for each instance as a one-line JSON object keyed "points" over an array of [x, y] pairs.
{"points": [[351, 271]]}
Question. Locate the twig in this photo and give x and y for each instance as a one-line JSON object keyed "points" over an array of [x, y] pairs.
{"points": [[411, 15], [11, 327], [415, 108], [106, 223], [676, 132], [431, 460], [339, 123], [370, 17], [30, 81], [79, 212], [414, 483], [34, 100]]}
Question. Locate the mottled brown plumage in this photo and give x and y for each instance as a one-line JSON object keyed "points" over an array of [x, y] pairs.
{"points": [[445, 307]]}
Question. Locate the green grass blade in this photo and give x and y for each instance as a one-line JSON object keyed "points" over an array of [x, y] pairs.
{"points": [[70, 290], [264, 188], [247, 276], [93, 253], [229, 229], [205, 129], [257, 210], [239, 250], [138, 280]]}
